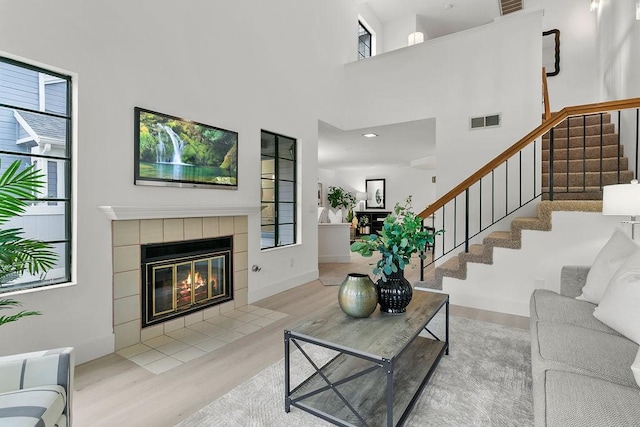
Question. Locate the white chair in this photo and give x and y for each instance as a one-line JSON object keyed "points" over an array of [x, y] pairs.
{"points": [[36, 388]]}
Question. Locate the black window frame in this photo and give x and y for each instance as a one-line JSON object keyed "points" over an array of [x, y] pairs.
{"points": [[66, 159], [277, 180], [364, 35]]}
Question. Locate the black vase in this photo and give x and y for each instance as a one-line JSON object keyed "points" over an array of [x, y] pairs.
{"points": [[395, 294]]}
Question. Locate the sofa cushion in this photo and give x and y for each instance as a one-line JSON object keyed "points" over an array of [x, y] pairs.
{"points": [[574, 400], [584, 351], [614, 253], [37, 406], [552, 307], [335, 216], [620, 304], [635, 368]]}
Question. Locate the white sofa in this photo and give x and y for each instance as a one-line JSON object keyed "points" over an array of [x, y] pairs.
{"points": [[36, 388]]}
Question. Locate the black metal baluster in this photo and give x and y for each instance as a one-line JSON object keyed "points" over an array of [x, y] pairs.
{"points": [[618, 133], [550, 180], [601, 150], [568, 143], [637, 138], [520, 173], [466, 221], [584, 153]]}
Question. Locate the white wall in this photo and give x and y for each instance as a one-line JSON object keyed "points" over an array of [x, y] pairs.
{"points": [[506, 286], [400, 182], [220, 63], [578, 80], [489, 69], [618, 48]]}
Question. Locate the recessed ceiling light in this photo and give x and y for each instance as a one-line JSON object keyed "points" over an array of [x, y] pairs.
{"points": [[369, 135]]}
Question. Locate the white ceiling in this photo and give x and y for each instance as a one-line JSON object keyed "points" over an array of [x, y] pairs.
{"points": [[398, 144], [409, 143], [440, 17]]}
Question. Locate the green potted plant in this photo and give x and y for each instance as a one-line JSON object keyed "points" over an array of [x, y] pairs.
{"points": [[339, 197], [19, 254], [401, 236]]}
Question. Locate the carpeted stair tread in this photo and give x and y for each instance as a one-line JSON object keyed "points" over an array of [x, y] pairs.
{"points": [[561, 132], [608, 151], [501, 239], [580, 141], [588, 165], [478, 254], [591, 119], [588, 179], [529, 223], [573, 195]]}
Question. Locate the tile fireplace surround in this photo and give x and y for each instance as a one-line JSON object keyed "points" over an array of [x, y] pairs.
{"points": [[128, 235]]}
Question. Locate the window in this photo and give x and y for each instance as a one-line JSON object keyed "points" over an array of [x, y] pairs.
{"points": [[278, 184], [35, 128], [364, 41]]}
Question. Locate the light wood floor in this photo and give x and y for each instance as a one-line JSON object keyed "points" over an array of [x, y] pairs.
{"points": [[113, 391]]}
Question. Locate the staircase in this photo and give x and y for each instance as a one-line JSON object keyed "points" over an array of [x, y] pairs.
{"points": [[456, 266], [586, 156], [590, 160]]}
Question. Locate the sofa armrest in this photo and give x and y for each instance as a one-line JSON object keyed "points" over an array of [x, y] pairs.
{"points": [[572, 279], [40, 368]]}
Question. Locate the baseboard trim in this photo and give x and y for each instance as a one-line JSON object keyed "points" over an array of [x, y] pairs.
{"points": [[276, 288], [334, 258], [90, 350]]}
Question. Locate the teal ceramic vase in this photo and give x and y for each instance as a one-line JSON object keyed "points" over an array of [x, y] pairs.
{"points": [[358, 295]]}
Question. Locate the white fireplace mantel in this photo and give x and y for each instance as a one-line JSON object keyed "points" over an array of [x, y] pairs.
{"points": [[156, 212]]}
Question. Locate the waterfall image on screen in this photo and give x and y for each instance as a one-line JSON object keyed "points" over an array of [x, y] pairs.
{"points": [[175, 152]]}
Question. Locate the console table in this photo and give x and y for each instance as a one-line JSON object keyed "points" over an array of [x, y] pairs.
{"points": [[376, 220], [382, 362]]}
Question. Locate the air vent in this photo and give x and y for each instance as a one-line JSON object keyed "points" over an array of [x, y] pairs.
{"points": [[509, 6], [492, 120]]}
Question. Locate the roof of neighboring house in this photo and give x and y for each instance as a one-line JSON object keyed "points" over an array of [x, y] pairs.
{"points": [[45, 126]]}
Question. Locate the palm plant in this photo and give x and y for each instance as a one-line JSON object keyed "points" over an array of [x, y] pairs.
{"points": [[17, 253]]}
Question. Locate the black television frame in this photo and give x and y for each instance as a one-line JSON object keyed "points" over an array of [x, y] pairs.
{"points": [[181, 182]]}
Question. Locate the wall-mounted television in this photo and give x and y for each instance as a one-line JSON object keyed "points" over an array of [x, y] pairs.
{"points": [[174, 152]]}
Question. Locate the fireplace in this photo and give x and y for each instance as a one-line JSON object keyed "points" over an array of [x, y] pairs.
{"points": [[180, 278]]}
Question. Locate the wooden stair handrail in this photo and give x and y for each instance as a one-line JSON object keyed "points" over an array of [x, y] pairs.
{"points": [[566, 112], [545, 95]]}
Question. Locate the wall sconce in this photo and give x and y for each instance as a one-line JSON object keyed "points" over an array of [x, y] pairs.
{"points": [[415, 38], [593, 5], [622, 199]]}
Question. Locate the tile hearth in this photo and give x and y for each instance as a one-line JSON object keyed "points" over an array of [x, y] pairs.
{"points": [[164, 352]]}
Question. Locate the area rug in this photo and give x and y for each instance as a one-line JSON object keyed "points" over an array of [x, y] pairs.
{"points": [[484, 381]]}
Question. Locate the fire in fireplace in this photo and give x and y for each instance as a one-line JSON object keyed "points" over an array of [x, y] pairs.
{"points": [[180, 278]]}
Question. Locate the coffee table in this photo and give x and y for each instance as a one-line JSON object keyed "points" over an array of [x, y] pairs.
{"points": [[382, 362]]}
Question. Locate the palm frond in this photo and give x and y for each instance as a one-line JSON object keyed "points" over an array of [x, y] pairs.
{"points": [[17, 187], [9, 303]]}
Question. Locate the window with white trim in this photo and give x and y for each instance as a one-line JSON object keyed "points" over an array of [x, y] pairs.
{"points": [[35, 128]]}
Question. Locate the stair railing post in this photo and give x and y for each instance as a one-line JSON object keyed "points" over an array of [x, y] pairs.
{"points": [[466, 221], [551, 164]]}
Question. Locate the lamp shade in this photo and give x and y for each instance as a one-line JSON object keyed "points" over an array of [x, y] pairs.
{"points": [[361, 196], [621, 199], [415, 38]]}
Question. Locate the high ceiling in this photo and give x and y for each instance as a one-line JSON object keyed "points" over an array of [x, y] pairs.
{"points": [[409, 143], [440, 17], [398, 144]]}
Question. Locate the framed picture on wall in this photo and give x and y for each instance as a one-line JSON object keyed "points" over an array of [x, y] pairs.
{"points": [[375, 193], [319, 194]]}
